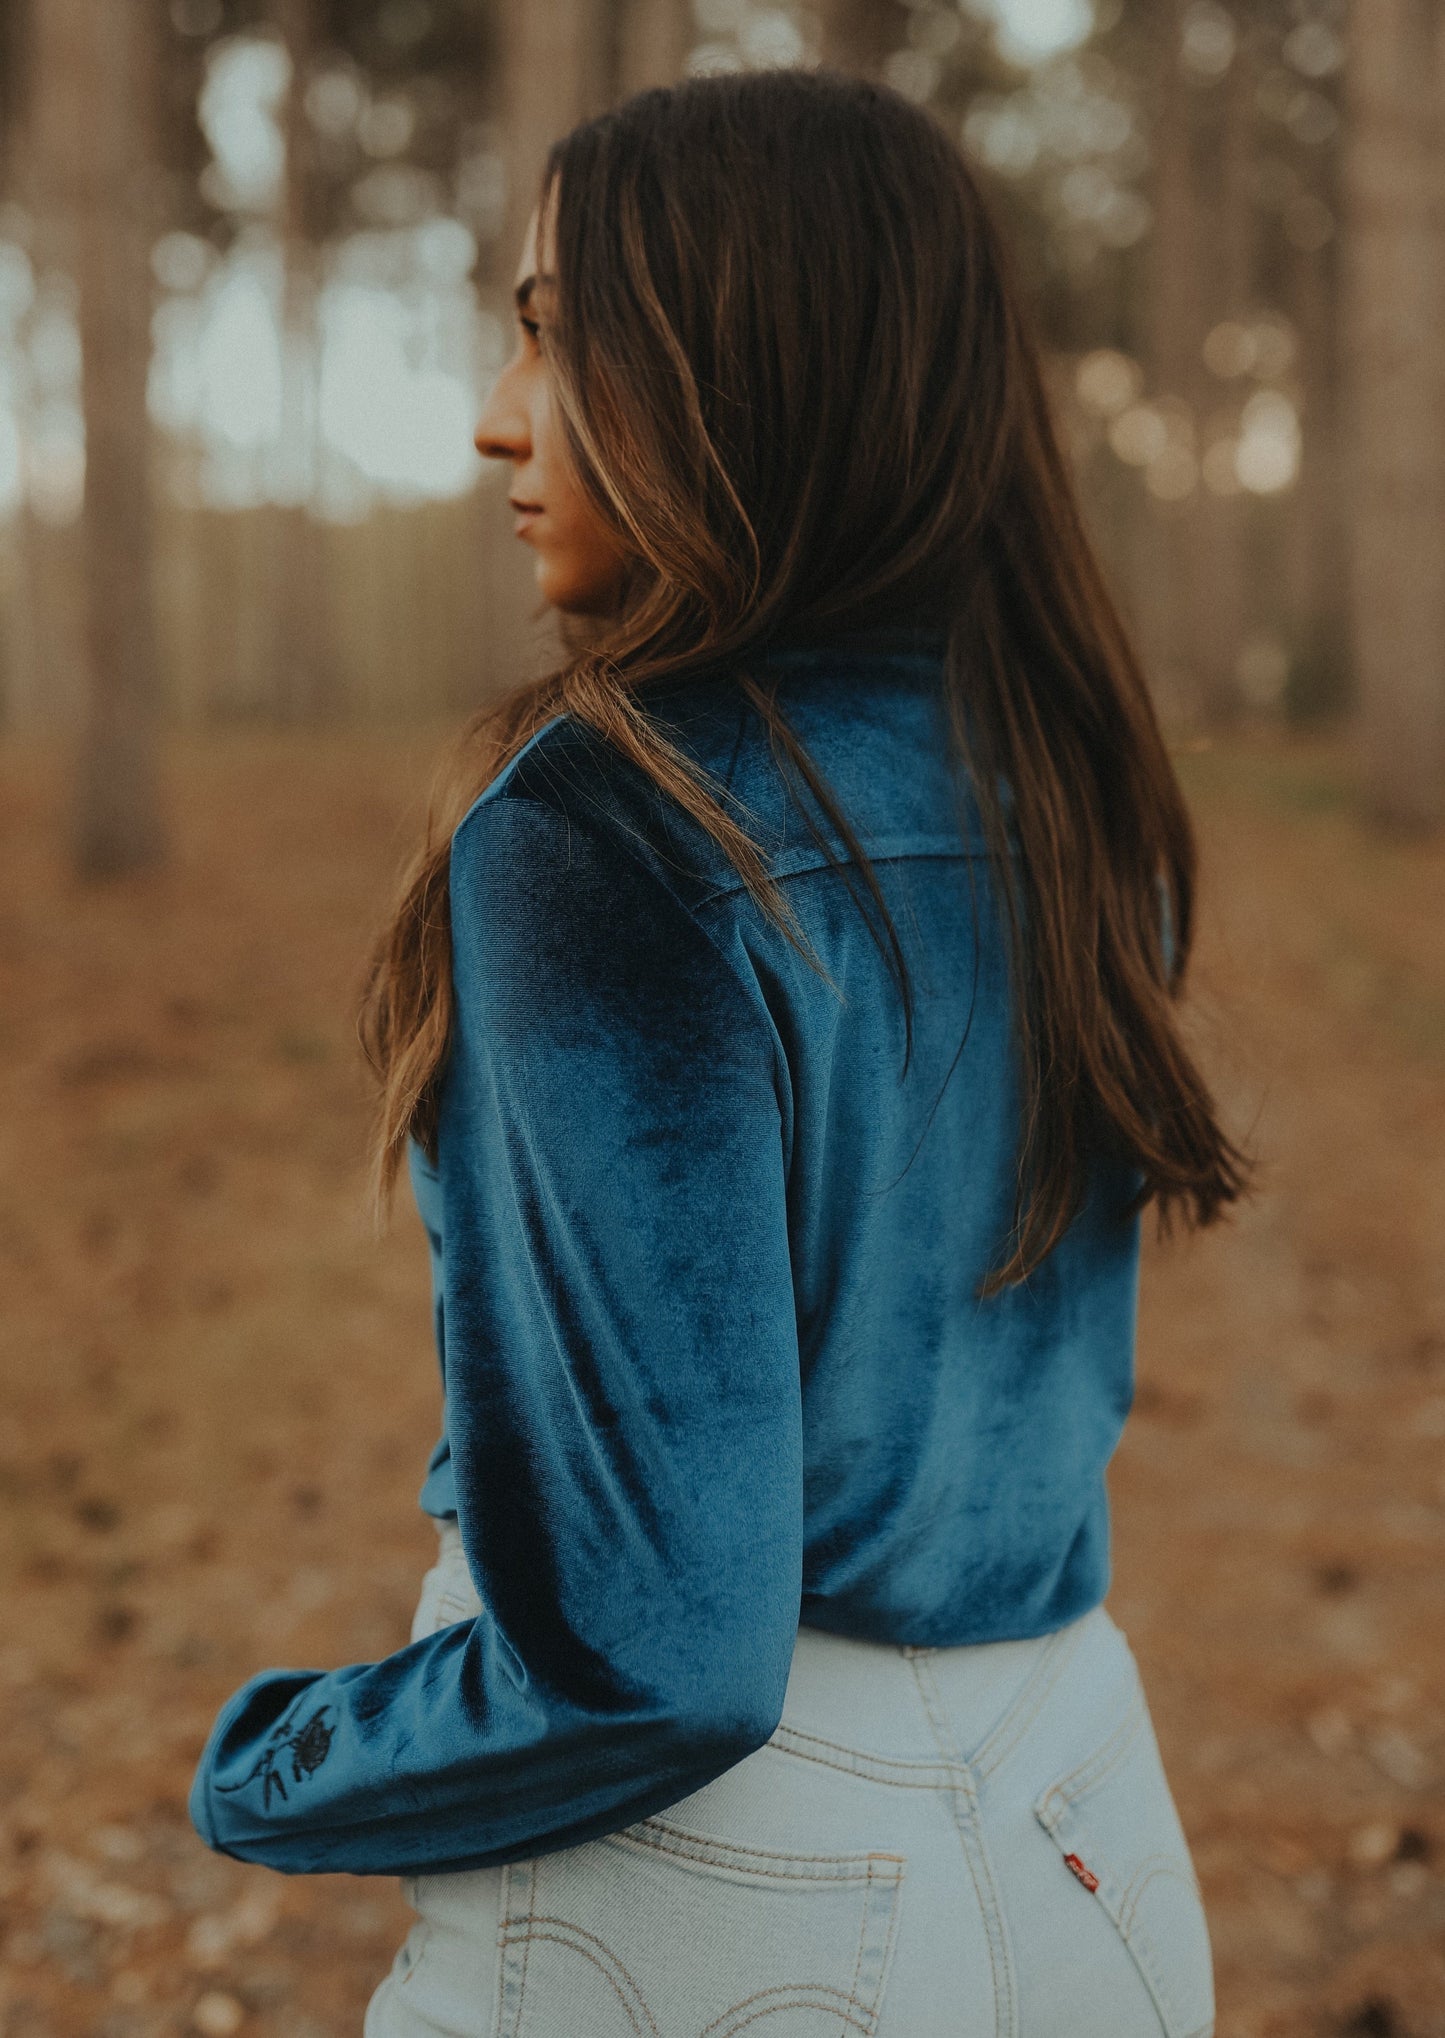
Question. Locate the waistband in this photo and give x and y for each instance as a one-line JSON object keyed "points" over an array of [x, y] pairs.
{"points": [[966, 1705], [900, 1710]]}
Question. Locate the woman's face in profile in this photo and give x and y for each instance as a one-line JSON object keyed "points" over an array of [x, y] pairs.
{"points": [[579, 562]]}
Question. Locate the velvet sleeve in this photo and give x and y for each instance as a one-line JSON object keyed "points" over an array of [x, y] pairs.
{"points": [[623, 1398]]}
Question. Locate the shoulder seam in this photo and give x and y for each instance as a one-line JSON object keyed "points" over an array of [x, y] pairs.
{"points": [[730, 888], [497, 783], [619, 838]]}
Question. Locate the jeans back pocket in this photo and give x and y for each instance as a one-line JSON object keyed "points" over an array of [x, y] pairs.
{"points": [[658, 1932], [1115, 1823]]}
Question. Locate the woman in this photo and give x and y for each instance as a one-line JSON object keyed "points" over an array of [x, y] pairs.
{"points": [[780, 1028]]}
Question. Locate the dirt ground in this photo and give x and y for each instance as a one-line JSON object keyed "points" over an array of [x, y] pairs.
{"points": [[219, 1392]]}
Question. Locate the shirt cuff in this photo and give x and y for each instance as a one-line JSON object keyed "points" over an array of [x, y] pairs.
{"points": [[199, 1805]]}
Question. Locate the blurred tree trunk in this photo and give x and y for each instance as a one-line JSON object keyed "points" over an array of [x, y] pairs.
{"points": [[1319, 528], [654, 39], [1218, 594], [1174, 333], [91, 85], [857, 35], [304, 667], [1200, 270], [1394, 311], [558, 64]]}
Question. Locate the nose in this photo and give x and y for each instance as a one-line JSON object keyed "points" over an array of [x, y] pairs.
{"points": [[502, 429]]}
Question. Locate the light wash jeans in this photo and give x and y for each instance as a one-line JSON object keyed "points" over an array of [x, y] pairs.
{"points": [[972, 1842]]}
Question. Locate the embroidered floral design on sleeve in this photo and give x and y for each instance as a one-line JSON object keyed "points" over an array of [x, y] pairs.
{"points": [[308, 1747]]}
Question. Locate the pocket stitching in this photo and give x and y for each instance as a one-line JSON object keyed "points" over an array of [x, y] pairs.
{"points": [[425, 1935], [1143, 1951], [862, 1935], [527, 1942], [843, 1749], [880, 1880], [422, 1928], [572, 1935], [1095, 1768], [1023, 1709], [889, 1886], [1149, 1870], [713, 1850], [874, 1768], [1056, 1817], [871, 2012], [660, 1825], [1140, 1949], [717, 2026], [885, 1957]]}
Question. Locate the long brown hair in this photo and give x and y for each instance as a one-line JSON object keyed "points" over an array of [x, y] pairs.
{"points": [[796, 379]]}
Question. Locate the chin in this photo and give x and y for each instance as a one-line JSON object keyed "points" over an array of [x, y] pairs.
{"points": [[574, 596]]}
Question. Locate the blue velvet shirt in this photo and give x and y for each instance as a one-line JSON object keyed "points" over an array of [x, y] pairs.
{"points": [[705, 1269]]}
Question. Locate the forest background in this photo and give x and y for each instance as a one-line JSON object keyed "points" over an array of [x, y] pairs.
{"points": [[255, 267]]}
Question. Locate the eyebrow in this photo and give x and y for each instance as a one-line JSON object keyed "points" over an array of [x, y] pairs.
{"points": [[523, 292]]}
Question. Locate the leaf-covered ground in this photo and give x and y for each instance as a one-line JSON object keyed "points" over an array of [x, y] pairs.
{"points": [[217, 1392]]}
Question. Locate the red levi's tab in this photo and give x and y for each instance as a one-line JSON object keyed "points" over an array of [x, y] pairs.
{"points": [[1076, 1866]]}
